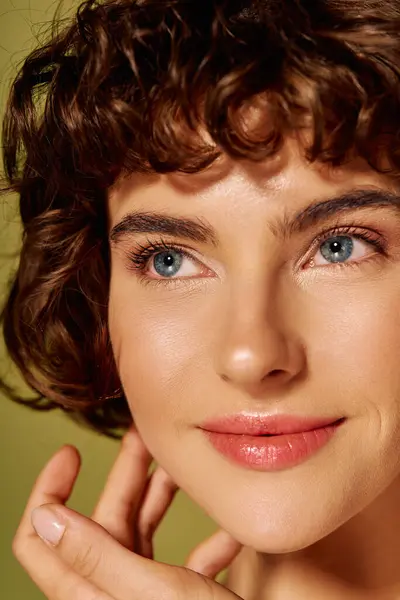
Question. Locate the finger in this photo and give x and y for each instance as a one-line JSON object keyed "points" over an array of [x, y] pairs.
{"points": [[214, 554], [57, 580], [95, 555], [120, 500], [53, 577], [159, 495], [54, 484]]}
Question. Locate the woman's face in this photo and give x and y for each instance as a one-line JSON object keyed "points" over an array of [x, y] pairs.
{"points": [[287, 305]]}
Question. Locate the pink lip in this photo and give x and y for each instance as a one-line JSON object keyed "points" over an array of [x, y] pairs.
{"points": [[292, 441]]}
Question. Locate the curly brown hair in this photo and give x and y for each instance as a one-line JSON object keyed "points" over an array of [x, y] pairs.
{"points": [[128, 85]]}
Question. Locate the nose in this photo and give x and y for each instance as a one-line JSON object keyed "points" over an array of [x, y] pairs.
{"points": [[257, 350]]}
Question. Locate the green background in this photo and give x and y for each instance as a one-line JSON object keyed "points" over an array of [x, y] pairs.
{"points": [[29, 438]]}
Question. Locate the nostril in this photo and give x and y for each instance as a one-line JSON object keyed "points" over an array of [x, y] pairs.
{"points": [[275, 373]]}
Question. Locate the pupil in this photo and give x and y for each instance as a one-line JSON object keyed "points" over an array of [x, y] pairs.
{"points": [[169, 260], [337, 249]]}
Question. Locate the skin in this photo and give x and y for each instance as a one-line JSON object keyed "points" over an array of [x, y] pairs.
{"points": [[210, 345], [259, 324], [108, 557]]}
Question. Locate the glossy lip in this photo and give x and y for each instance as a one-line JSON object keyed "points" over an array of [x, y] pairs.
{"points": [[261, 424], [270, 443]]}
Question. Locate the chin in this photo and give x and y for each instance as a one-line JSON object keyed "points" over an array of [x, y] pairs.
{"points": [[278, 527], [281, 542]]}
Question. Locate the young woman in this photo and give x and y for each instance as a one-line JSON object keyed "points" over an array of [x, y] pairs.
{"points": [[211, 260]]}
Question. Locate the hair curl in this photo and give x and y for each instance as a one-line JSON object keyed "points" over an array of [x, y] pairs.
{"points": [[127, 85]]}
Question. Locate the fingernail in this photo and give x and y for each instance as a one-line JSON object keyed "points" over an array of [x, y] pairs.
{"points": [[48, 525]]}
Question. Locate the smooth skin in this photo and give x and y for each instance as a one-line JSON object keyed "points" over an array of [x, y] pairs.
{"points": [[258, 322], [109, 556], [95, 560]]}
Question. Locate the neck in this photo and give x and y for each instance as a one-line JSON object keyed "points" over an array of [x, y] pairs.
{"points": [[358, 560]]}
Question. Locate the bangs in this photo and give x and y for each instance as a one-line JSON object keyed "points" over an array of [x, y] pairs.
{"points": [[128, 86]]}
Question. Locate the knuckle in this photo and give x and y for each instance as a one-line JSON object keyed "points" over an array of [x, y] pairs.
{"points": [[87, 561]]}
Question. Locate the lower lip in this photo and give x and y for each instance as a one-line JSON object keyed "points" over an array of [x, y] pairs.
{"points": [[273, 453]]}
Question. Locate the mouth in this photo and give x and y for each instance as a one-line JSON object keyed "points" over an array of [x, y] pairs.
{"points": [[270, 443], [267, 425]]}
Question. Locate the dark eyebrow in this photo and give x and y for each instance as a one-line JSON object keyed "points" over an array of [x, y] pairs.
{"points": [[198, 231], [352, 200], [149, 222]]}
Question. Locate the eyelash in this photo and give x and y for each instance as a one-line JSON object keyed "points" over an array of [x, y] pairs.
{"points": [[139, 257], [366, 235]]}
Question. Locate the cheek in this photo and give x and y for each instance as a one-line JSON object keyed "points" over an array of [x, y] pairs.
{"points": [[161, 350], [353, 338], [164, 352]]}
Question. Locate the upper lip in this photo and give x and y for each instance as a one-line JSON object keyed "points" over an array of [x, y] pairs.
{"points": [[259, 424]]}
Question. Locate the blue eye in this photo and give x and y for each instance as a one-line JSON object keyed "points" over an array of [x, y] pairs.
{"points": [[168, 263], [162, 262], [337, 249]]}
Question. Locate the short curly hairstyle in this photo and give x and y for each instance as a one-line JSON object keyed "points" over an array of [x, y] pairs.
{"points": [[127, 86]]}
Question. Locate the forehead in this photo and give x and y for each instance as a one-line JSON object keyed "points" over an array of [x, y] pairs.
{"points": [[285, 183]]}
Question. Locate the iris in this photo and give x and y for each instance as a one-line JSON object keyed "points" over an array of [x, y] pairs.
{"points": [[337, 249], [168, 263]]}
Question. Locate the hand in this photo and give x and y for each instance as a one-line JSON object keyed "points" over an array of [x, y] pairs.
{"points": [[110, 556]]}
